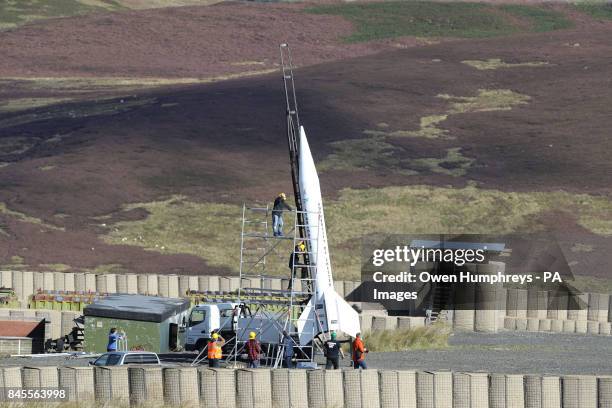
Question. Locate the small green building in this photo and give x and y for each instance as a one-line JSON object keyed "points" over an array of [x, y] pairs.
{"points": [[150, 323]]}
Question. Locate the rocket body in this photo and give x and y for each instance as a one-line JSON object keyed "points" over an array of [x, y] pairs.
{"points": [[312, 204], [326, 310]]}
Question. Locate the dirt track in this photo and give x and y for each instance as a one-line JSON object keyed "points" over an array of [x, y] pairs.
{"points": [[225, 142]]}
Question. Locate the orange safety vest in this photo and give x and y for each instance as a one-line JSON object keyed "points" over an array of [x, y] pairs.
{"points": [[358, 350], [214, 350]]}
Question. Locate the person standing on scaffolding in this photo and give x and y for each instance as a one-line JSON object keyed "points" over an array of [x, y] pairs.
{"points": [[280, 205], [297, 258]]}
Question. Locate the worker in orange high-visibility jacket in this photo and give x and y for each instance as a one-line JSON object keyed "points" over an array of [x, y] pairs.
{"points": [[359, 352], [214, 350]]}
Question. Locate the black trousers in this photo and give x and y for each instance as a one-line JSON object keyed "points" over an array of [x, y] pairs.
{"points": [[332, 362], [213, 362]]}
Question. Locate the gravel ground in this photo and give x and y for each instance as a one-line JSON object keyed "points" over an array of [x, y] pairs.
{"points": [[522, 353], [512, 352]]}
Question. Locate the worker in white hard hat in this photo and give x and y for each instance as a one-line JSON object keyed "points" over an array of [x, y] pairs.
{"points": [[280, 205], [253, 350]]}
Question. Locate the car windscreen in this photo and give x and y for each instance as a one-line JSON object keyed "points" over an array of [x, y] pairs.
{"points": [[196, 317], [140, 358], [101, 361], [149, 359], [113, 359]]}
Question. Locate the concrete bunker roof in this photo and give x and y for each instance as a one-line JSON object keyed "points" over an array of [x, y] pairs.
{"points": [[137, 307]]}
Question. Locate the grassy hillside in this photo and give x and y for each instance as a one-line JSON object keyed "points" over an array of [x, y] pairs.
{"points": [[138, 164], [375, 21], [17, 12], [602, 11], [212, 230]]}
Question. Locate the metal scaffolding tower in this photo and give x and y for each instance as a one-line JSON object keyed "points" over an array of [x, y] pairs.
{"points": [[272, 311]]}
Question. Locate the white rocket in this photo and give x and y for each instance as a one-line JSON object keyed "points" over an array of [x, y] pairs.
{"points": [[326, 310]]}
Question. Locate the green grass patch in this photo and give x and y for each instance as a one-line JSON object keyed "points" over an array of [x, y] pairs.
{"points": [[454, 164], [14, 13], [26, 218], [208, 230], [17, 104], [540, 18], [601, 10], [75, 85], [376, 152], [109, 268], [428, 129], [17, 12], [17, 260], [56, 267], [486, 100], [497, 63], [430, 337], [376, 21], [102, 107], [372, 153], [212, 231], [431, 210]]}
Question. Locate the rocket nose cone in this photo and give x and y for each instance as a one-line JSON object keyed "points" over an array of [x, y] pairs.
{"points": [[305, 159], [302, 135], [304, 147]]}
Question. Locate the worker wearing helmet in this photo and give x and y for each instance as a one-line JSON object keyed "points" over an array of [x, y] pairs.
{"points": [[359, 352], [280, 205], [215, 352], [253, 350], [298, 257], [333, 352]]}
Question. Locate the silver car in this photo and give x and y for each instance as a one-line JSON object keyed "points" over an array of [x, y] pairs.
{"points": [[117, 358]]}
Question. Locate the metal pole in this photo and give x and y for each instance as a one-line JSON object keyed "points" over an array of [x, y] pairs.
{"points": [[241, 250]]}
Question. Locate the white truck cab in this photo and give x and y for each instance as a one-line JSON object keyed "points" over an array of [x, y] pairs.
{"points": [[205, 318]]}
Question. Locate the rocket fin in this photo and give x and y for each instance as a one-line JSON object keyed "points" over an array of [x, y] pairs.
{"points": [[336, 314], [306, 323], [340, 315]]}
